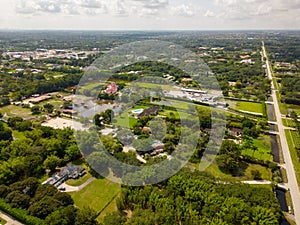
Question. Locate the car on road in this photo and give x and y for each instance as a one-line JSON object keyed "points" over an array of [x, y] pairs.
{"points": [[62, 189]]}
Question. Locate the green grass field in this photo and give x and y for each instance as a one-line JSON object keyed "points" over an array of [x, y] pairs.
{"points": [[284, 175], [282, 106], [112, 207], [55, 102], [80, 181], [288, 123], [96, 195], [264, 151], [13, 110], [294, 155], [295, 108], [296, 138], [153, 86], [124, 120], [247, 106], [190, 105], [168, 112], [275, 83], [266, 174], [214, 170]]}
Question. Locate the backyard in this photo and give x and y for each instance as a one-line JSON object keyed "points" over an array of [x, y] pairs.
{"points": [[97, 195], [263, 152], [266, 174], [252, 107]]}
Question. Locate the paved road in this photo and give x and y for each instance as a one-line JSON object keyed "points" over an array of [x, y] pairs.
{"points": [[257, 182], [265, 182], [9, 220], [291, 175]]}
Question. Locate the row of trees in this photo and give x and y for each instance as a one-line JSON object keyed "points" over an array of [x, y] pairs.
{"points": [[290, 90], [41, 148], [250, 79], [24, 86], [196, 198], [46, 203]]}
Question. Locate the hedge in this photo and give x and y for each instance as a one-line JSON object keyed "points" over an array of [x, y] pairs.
{"points": [[20, 214]]}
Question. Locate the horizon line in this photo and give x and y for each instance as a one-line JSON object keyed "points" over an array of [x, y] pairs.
{"points": [[153, 30]]}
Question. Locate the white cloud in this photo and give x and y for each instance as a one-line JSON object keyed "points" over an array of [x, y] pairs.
{"points": [[151, 14], [91, 4], [26, 7], [209, 14], [153, 4], [245, 9], [60, 6], [185, 10], [93, 7], [119, 9], [262, 9]]}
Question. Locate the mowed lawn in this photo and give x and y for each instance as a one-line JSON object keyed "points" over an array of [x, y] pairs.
{"points": [[13, 110], [80, 181], [266, 174], [112, 207], [125, 119], [295, 108], [264, 150], [253, 107], [97, 195], [296, 161], [166, 87], [288, 122]]}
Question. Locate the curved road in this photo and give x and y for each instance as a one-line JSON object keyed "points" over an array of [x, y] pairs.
{"points": [[70, 188], [291, 174]]}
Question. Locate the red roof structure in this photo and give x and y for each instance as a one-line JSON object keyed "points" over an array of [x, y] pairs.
{"points": [[112, 89]]}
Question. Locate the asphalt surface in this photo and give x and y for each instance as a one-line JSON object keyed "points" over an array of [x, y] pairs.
{"points": [[69, 188], [291, 174]]}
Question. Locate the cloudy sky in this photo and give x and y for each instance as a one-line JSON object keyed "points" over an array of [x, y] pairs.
{"points": [[150, 14]]}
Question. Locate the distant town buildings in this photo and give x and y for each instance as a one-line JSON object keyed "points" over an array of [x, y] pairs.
{"points": [[47, 54]]}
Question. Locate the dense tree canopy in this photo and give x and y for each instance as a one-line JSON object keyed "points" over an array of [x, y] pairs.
{"points": [[196, 198]]}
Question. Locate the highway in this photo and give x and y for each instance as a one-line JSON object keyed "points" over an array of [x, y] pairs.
{"points": [[291, 175]]}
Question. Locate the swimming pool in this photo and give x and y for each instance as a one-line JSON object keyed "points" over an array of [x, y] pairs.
{"points": [[137, 111]]}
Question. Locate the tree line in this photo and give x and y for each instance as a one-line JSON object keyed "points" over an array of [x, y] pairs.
{"points": [[196, 198]]}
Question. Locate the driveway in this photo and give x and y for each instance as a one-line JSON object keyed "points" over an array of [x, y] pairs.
{"points": [[70, 188]]}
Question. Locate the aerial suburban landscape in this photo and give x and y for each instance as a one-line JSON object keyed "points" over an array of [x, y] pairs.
{"points": [[135, 124], [47, 173]]}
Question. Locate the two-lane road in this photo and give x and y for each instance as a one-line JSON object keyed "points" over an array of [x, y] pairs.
{"points": [[291, 174]]}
